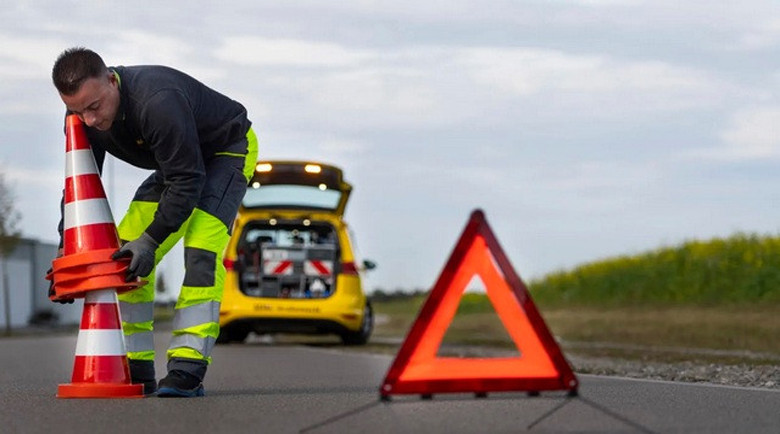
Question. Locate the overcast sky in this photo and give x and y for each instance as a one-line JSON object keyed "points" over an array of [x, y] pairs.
{"points": [[583, 128]]}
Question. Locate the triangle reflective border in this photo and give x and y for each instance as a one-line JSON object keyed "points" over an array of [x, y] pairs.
{"points": [[540, 364]]}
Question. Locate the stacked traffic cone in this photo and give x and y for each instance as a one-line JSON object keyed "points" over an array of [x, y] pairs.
{"points": [[86, 270], [89, 236]]}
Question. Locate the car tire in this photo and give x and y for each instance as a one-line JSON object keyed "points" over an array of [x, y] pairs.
{"points": [[228, 335], [361, 336]]}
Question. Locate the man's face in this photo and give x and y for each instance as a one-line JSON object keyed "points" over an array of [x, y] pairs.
{"points": [[96, 102]]}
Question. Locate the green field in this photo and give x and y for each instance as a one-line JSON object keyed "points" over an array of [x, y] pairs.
{"points": [[715, 301], [739, 270]]}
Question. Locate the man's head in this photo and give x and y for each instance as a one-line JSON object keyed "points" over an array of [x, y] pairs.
{"points": [[87, 87]]}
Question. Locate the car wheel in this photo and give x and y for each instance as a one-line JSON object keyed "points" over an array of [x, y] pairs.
{"points": [[361, 336], [229, 334]]}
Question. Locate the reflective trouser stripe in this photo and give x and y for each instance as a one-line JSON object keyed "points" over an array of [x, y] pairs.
{"points": [[141, 342], [195, 329], [137, 323], [194, 343], [196, 315], [136, 312]]}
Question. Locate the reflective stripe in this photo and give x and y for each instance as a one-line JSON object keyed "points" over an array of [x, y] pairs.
{"points": [[100, 343], [251, 155], [136, 312], [141, 355], [87, 212], [195, 315], [230, 154], [317, 268], [130, 328], [80, 162], [187, 353], [137, 342], [201, 345], [101, 296]]}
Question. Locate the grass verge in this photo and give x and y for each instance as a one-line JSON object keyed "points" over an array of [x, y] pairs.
{"points": [[711, 334]]}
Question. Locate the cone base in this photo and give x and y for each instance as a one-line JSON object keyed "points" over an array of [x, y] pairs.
{"points": [[100, 390]]}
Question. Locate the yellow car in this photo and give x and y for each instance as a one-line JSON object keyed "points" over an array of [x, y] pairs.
{"points": [[290, 262]]}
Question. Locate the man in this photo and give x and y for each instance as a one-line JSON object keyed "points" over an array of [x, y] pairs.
{"points": [[201, 147]]}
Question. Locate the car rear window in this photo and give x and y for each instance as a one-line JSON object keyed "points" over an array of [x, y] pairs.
{"points": [[291, 196]]}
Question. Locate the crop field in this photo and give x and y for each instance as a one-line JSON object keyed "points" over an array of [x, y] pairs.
{"points": [[708, 302], [748, 334]]}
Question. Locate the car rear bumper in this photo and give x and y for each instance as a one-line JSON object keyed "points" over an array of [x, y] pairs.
{"points": [[288, 325]]}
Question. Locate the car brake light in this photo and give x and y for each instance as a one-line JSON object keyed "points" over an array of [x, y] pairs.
{"points": [[229, 264], [349, 268]]}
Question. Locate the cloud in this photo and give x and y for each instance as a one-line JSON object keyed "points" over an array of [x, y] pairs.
{"points": [[600, 3], [32, 177], [753, 133], [25, 57], [641, 84], [750, 134], [342, 147], [434, 86], [761, 37], [143, 47], [259, 51]]}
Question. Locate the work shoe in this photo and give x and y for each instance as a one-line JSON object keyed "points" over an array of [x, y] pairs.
{"points": [[142, 372], [180, 384]]}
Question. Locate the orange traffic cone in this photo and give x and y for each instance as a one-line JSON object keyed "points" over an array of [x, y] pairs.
{"points": [[89, 236], [101, 369], [86, 270]]}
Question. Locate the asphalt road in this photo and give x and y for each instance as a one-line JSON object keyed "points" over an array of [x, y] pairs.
{"points": [[271, 388]]}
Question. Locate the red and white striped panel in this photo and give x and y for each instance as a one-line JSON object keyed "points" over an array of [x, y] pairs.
{"points": [[278, 268], [88, 222], [101, 356], [317, 268]]}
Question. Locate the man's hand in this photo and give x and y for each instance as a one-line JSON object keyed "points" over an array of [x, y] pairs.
{"points": [[53, 294], [142, 253]]}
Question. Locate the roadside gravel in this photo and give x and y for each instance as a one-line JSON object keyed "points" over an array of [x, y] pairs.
{"points": [[764, 376], [742, 375]]}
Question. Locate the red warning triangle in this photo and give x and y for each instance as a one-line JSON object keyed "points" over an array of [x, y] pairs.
{"points": [[540, 365]]}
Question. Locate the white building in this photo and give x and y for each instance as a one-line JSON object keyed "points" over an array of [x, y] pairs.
{"points": [[26, 297]]}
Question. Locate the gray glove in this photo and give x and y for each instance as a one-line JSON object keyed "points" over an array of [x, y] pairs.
{"points": [[142, 253]]}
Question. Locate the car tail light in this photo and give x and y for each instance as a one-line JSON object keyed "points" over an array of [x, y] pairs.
{"points": [[230, 264], [349, 268]]}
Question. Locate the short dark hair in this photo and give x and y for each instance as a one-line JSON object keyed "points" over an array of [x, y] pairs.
{"points": [[74, 66]]}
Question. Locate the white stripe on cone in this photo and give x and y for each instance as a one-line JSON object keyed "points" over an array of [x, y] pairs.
{"points": [[101, 296], [87, 212], [80, 162], [100, 343]]}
